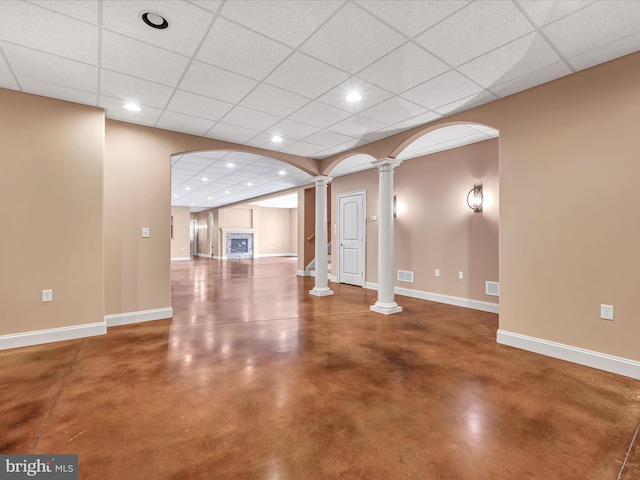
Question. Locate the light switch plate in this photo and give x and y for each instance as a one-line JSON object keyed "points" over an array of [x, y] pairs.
{"points": [[606, 312], [47, 295], [145, 232]]}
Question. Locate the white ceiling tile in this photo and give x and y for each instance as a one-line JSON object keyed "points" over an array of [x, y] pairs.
{"points": [[394, 110], [8, 81], [319, 115], [184, 123], [216, 83], [594, 26], [371, 95], [303, 148], [305, 76], [466, 103], [352, 39], [3, 64], [328, 139], [475, 30], [115, 110], [231, 133], [233, 47], [404, 68], [543, 12], [211, 5], [412, 17], [142, 60], [86, 11], [252, 119], [274, 100], [442, 90], [607, 52], [518, 58], [187, 23], [417, 120], [355, 163], [287, 21], [135, 90], [203, 107], [288, 129], [450, 133], [356, 126], [51, 69], [35, 27], [38, 87], [532, 79], [263, 140]]}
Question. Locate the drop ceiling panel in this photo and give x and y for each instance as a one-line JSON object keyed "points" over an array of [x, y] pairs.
{"points": [[142, 60], [466, 103], [51, 69], [356, 126], [475, 30], [286, 21], [252, 119], [132, 89], [34, 27], [86, 11], [602, 54], [393, 110], [185, 123], [210, 5], [319, 115], [38, 87], [518, 58], [305, 76], [352, 39], [227, 45], [214, 82], [442, 90], [532, 79], [543, 12], [274, 100], [412, 17], [198, 105], [328, 139], [114, 109], [8, 81], [231, 133], [289, 129], [303, 148], [371, 95]]}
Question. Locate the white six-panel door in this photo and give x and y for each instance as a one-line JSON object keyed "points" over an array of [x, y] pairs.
{"points": [[351, 237]]}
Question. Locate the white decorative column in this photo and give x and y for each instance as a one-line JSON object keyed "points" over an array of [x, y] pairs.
{"points": [[386, 297], [322, 278]]}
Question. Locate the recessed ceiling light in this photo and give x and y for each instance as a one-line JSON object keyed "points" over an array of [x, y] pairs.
{"points": [[353, 97], [282, 172], [226, 191], [187, 188], [175, 194], [205, 179], [276, 139], [154, 20], [249, 184], [229, 165], [210, 198], [193, 204], [132, 107]]}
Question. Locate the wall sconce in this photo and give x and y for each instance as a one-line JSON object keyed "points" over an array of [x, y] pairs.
{"points": [[395, 206], [474, 198]]}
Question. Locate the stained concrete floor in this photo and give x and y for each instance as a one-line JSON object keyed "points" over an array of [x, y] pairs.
{"points": [[255, 379]]}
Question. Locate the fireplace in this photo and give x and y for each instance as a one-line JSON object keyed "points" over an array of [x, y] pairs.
{"points": [[238, 243]]}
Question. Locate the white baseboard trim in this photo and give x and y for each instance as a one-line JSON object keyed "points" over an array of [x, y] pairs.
{"points": [[137, 317], [216, 257], [276, 255], [589, 358], [180, 259], [442, 298], [39, 337], [204, 255], [333, 278]]}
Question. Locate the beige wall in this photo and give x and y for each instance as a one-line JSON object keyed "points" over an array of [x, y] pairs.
{"points": [[51, 213], [568, 177], [293, 230], [180, 241], [275, 229]]}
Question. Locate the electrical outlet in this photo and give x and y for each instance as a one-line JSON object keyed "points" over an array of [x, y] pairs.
{"points": [[437, 272], [47, 295], [460, 275], [606, 312]]}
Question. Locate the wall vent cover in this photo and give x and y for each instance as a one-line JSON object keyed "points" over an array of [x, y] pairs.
{"points": [[404, 276], [493, 288]]}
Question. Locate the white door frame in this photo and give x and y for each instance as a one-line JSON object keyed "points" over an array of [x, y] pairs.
{"points": [[364, 234], [193, 243], [210, 226]]}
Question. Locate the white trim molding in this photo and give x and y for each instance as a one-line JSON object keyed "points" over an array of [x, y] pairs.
{"points": [[180, 259], [302, 273], [239, 230], [442, 298], [333, 278], [39, 337], [137, 317], [216, 257], [204, 255], [276, 255], [581, 356]]}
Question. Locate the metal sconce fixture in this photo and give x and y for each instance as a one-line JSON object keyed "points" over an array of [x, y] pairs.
{"points": [[474, 198], [395, 206]]}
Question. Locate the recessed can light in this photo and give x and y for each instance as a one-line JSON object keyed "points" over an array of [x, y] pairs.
{"points": [[353, 97], [276, 139], [187, 188], [226, 191], [175, 194], [229, 165], [210, 198], [154, 20], [205, 179], [132, 107], [282, 172], [249, 184]]}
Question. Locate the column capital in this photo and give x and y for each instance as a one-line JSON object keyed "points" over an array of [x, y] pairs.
{"points": [[321, 180], [386, 162]]}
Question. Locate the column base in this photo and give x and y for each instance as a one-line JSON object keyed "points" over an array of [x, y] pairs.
{"points": [[386, 308], [321, 292]]}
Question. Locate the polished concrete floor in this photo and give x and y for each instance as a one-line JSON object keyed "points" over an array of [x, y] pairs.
{"points": [[255, 379]]}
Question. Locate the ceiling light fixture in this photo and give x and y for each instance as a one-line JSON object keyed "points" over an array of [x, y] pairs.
{"points": [[282, 172], [187, 188], [132, 107], [353, 97], [226, 191], [276, 139], [205, 179], [249, 184], [210, 198], [154, 20], [229, 165], [175, 194]]}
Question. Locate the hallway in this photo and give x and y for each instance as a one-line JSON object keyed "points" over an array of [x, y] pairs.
{"points": [[254, 378]]}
